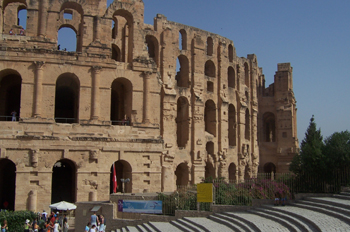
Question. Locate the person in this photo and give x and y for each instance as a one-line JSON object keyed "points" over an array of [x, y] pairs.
{"points": [[94, 219], [44, 215], [21, 32], [102, 223], [27, 226], [11, 32], [13, 114], [59, 47], [36, 227], [277, 198], [56, 226], [283, 199], [93, 228], [4, 227], [87, 227], [65, 226]]}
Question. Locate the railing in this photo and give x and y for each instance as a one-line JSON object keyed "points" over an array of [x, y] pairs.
{"points": [[265, 186], [7, 118], [65, 120]]}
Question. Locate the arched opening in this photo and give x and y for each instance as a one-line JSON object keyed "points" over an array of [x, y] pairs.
{"points": [[269, 127], [209, 171], [7, 184], [270, 168], [247, 125], [209, 69], [210, 117], [182, 122], [122, 32], [67, 99], [121, 102], [123, 170], [153, 48], [10, 94], [14, 16], [65, 44], [231, 79], [22, 16], [116, 54], [230, 53], [231, 125], [232, 173], [246, 74], [210, 46], [182, 76], [182, 175], [63, 181], [182, 40], [247, 174]]}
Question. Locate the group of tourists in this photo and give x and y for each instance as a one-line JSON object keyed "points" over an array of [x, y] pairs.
{"points": [[54, 222], [280, 198], [97, 223]]}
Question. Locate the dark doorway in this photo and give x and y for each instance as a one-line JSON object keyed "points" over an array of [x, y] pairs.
{"points": [[10, 94], [7, 184], [182, 175], [123, 171], [63, 181]]}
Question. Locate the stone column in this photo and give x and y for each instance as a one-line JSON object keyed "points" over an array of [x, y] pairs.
{"points": [[95, 95], [146, 98], [42, 18], [38, 88], [32, 200]]}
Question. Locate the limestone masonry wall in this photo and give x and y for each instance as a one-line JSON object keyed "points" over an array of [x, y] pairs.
{"points": [[165, 104]]}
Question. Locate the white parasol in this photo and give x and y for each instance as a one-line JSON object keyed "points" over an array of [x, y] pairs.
{"points": [[63, 205]]}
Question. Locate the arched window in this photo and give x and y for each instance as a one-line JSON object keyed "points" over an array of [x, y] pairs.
{"points": [[210, 117], [270, 168], [10, 93], [153, 48], [230, 53], [14, 16], [182, 76], [182, 40], [116, 54], [209, 69], [121, 102], [231, 125], [247, 125], [182, 122], [67, 99], [123, 170], [232, 173], [64, 43], [63, 187], [269, 127], [231, 77], [7, 184], [210, 46], [246, 74], [182, 175]]}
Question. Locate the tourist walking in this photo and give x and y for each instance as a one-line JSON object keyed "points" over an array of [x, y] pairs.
{"points": [[13, 114], [4, 227]]}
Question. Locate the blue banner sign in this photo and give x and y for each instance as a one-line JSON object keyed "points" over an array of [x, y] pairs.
{"points": [[130, 206]]}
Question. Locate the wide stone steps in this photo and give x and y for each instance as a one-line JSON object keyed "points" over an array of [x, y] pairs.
{"points": [[313, 214]]}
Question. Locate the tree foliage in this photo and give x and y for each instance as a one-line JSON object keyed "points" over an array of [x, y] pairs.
{"points": [[16, 219], [337, 150]]}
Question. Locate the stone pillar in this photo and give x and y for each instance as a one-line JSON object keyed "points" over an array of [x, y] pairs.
{"points": [[146, 97], [42, 18], [32, 200], [38, 88], [95, 95], [168, 184]]}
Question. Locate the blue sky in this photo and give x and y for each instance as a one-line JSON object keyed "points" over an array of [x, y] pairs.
{"points": [[313, 35]]}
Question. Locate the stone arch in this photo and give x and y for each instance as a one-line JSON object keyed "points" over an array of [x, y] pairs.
{"points": [[10, 93], [116, 54], [67, 98], [182, 174], [153, 48], [10, 18], [231, 78], [230, 53], [121, 101], [124, 32], [182, 39], [182, 122], [123, 170], [63, 187], [246, 74], [247, 124], [232, 169], [182, 76], [269, 127], [209, 69], [269, 168], [210, 117], [7, 184], [64, 31], [210, 46], [232, 125]]}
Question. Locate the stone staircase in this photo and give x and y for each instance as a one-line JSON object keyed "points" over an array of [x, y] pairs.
{"points": [[310, 214]]}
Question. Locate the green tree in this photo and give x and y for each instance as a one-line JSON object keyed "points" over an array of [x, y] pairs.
{"points": [[310, 159], [337, 151]]}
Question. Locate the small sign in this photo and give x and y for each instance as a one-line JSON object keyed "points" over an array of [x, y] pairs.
{"points": [[205, 192], [129, 206]]}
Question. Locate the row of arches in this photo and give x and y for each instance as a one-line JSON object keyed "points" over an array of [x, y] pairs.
{"points": [[63, 184], [67, 96]]}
